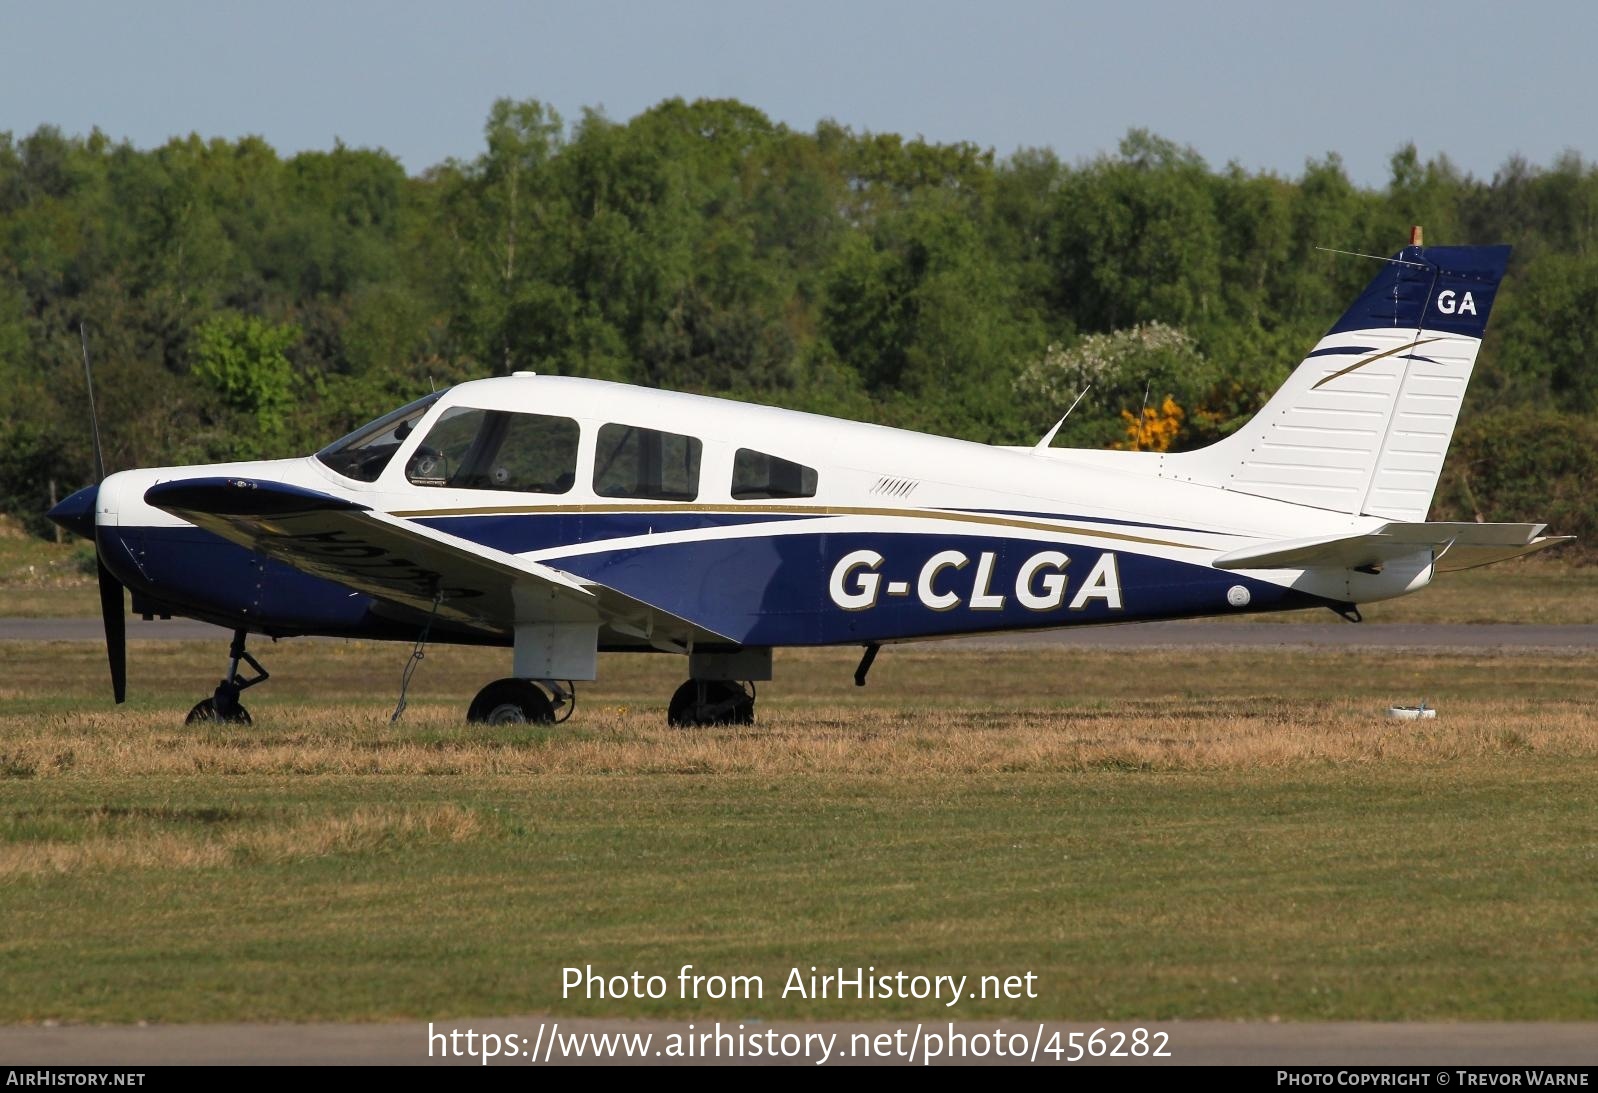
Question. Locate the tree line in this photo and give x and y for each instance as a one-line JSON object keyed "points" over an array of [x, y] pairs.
{"points": [[240, 303]]}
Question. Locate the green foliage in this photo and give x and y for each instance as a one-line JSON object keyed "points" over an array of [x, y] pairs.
{"points": [[1520, 465], [245, 360], [1545, 352], [922, 312], [244, 303], [1135, 237]]}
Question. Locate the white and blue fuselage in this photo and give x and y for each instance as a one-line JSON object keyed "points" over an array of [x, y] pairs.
{"points": [[567, 516], [907, 535]]}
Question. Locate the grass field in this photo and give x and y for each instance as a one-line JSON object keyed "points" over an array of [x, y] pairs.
{"points": [[1154, 834], [43, 579]]}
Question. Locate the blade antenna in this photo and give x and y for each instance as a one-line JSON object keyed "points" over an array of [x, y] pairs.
{"points": [[1048, 437]]}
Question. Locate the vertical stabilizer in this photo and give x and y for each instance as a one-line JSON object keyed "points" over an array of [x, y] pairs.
{"points": [[1363, 424]]}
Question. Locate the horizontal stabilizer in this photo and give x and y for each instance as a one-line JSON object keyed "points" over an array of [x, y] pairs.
{"points": [[1455, 545]]}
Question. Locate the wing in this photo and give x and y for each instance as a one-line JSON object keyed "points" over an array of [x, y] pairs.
{"points": [[1456, 545], [401, 562]]}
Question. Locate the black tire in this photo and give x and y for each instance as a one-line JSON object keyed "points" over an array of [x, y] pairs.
{"points": [[724, 703], [204, 713], [511, 702]]}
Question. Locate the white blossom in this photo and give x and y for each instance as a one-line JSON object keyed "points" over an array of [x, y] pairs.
{"points": [[1104, 361]]}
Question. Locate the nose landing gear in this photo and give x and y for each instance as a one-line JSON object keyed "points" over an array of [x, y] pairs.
{"points": [[223, 706]]}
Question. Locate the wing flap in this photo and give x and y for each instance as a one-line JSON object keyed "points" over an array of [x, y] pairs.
{"points": [[1456, 545]]}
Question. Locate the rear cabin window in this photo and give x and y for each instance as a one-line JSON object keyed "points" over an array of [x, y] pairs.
{"points": [[646, 463], [474, 449], [757, 476]]}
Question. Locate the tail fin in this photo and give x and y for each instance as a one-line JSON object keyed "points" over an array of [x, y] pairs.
{"points": [[1363, 424]]}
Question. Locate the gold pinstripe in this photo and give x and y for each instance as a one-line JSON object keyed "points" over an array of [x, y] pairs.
{"points": [[1363, 361], [786, 510]]}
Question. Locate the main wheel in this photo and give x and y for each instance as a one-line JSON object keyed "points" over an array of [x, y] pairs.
{"points": [[205, 713], [511, 702], [710, 702]]}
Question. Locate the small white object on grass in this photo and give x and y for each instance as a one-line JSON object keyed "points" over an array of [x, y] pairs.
{"points": [[1422, 712]]}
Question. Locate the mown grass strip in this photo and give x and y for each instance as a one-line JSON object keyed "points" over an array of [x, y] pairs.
{"points": [[1157, 835]]}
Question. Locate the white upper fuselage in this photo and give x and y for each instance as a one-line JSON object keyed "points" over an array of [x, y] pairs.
{"points": [[869, 480]]}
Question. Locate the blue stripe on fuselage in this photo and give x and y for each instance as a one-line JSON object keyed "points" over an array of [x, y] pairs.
{"points": [[774, 590], [759, 590]]}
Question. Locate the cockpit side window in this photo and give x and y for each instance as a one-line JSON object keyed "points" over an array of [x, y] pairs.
{"points": [[365, 453], [474, 449], [645, 463], [758, 476]]}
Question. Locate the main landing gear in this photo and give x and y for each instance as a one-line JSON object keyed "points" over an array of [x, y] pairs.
{"points": [[223, 706], [522, 702], [721, 692], [699, 702], [721, 688], [702, 702]]}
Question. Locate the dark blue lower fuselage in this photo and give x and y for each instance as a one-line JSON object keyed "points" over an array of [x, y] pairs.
{"points": [[765, 590]]}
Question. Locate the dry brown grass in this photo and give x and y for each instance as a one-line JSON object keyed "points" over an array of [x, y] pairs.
{"points": [[127, 838], [929, 710], [1155, 736]]}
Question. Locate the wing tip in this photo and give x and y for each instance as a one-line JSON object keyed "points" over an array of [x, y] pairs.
{"points": [[242, 497]]}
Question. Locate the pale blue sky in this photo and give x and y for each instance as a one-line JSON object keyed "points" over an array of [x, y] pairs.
{"points": [[1266, 84]]}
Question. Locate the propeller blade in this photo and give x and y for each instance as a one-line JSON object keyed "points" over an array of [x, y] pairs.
{"points": [[94, 418], [116, 630], [112, 605]]}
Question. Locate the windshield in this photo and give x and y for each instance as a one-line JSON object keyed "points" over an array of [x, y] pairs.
{"points": [[363, 454]]}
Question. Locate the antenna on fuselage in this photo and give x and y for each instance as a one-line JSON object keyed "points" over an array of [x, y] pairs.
{"points": [[1048, 438]]}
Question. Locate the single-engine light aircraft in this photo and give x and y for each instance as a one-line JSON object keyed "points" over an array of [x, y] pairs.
{"points": [[566, 517]]}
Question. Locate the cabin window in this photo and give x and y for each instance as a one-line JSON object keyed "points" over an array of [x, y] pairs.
{"points": [[474, 449], [646, 463], [757, 476], [365, 453]]}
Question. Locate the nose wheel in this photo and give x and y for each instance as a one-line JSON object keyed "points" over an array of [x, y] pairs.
{"points": [[704, 702], [218, 710], [224, 707]]}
